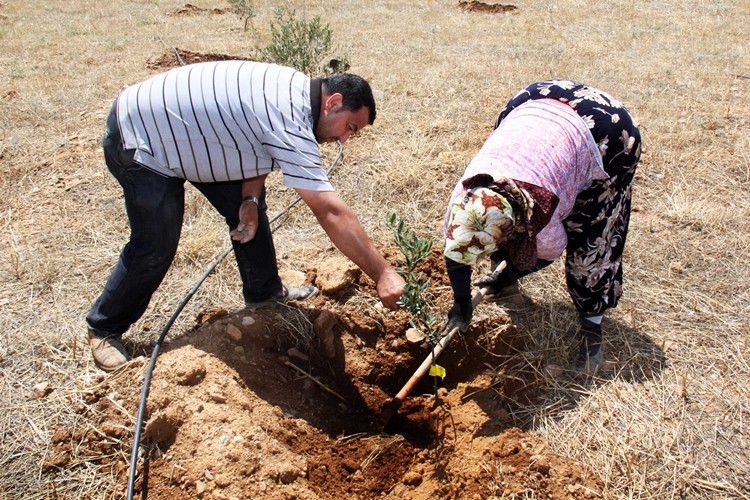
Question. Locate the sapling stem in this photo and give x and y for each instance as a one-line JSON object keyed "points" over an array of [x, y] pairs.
{"points": [[416, 298]]}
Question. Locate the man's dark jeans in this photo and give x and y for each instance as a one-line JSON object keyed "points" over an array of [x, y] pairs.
{"points": [[155, 206]]}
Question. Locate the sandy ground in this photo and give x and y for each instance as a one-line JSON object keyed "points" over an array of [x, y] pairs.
{"points": [[287, 402]]}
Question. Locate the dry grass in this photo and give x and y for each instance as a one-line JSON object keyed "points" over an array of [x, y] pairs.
{"points": [[671, 422]]}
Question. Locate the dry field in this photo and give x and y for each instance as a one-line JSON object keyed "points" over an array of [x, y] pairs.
{"points": [[669, 419]]}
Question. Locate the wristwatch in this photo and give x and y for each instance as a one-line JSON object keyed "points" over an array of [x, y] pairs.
{"points": [[252, 199]]}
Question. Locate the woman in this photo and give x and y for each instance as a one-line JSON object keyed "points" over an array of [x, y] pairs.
{"points": [[555, 175]]}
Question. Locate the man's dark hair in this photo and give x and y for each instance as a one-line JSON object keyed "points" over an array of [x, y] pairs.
{"points": [[355, 90]]}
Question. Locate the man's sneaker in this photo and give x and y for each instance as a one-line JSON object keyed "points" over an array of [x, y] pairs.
{"points": [[287, 294], [589, 357], [108, 352]]}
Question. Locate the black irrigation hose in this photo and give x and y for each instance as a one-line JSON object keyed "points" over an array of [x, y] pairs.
{"points": [[160, 340]]}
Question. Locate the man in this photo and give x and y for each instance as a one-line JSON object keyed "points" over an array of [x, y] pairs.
{"points": [[555, 176], [223, 127]]}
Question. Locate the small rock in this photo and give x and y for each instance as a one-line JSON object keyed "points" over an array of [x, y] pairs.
{"points": [[336, 273], [234, 333], [325, 321], [56, 461], [677, 267], [41, 390], [414, 335], [210, 314], [292, 277], [540, 464], [248, 320], [60, 435], [289, 474], [200, 487], [411, 478], [218, 397], [223, 480]]}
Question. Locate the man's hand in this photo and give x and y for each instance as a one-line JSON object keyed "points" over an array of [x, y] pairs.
{"points": [[345, 231], [248, 226], [390, 287], [459, 316]]}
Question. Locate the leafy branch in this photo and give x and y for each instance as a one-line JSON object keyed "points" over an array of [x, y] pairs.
{"points": [[415, 299], [245, 9]]}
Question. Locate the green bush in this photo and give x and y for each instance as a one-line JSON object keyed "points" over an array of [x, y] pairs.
{"points": [[297, 43]]}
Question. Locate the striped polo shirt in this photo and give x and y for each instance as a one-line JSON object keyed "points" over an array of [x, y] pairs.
{"points": [[224, 121]]}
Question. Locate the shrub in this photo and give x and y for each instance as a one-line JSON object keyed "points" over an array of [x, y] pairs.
{"points": [[297, 43]]}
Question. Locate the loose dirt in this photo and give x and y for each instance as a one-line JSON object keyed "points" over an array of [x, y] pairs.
{"points": [[179, 57], [284, 403], [474, 6]]}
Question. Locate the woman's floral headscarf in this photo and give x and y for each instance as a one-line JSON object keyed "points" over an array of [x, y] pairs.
{"points": [[498, 213], [479, 222]]}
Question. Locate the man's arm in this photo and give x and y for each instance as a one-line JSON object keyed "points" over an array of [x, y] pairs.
{"points": [[345, 231]]}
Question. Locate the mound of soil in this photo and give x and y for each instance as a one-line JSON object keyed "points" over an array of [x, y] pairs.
{"points": [[284, 403], [193, 10], [475, 6], [179, 57]]}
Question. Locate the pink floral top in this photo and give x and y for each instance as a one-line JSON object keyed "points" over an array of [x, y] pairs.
{"points": [[542, 142]]}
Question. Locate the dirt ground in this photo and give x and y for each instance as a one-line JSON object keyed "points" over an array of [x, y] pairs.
{"points": [[287, 402]]}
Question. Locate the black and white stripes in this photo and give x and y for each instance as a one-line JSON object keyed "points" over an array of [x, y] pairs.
{"points": [[221, 121]]}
